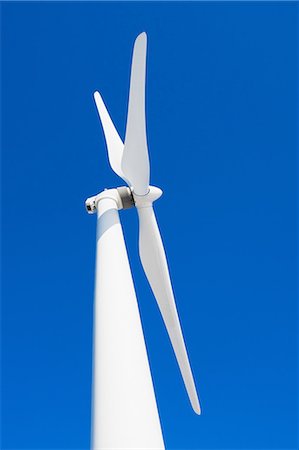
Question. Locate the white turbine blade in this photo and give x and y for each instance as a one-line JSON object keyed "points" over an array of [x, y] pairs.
{"points": [[154, 262], [135, 162], [114, 143]]}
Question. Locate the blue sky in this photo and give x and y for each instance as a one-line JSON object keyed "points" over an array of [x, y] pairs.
{"points": [[221, 110]]}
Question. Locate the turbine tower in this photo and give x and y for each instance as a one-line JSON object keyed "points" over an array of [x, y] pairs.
{"points": [[125, 414]]}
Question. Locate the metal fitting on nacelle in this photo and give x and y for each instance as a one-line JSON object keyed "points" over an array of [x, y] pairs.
{"points": [[90, 205], [126, 197]]}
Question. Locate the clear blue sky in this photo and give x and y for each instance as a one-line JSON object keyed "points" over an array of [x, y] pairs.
{"points": [[221, 109]]}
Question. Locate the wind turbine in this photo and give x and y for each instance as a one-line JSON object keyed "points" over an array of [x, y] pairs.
{"points": [[125, 414]]}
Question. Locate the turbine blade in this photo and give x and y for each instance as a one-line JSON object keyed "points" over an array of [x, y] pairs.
{"points": [[154, 262], [114, 143], [135, 161]]}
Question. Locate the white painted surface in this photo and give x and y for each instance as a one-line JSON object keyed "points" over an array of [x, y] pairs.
{"points": [[115, 145], [155, 266], [135, 161], [125, 414]]}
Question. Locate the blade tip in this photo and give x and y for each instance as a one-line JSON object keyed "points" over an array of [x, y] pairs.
{"points": [[197, 411], [141, 37], [196, 407]]}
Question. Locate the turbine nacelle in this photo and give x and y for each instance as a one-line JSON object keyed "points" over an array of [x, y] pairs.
{"points": [[124, 197]]}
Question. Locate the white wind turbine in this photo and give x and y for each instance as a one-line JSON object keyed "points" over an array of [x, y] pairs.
{"points": [[125, 414]]}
